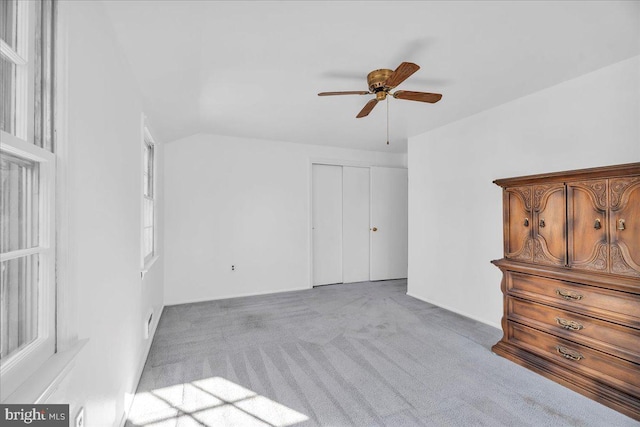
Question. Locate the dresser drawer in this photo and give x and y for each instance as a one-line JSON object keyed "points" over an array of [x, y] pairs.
{"points": [[608, 337], [620, 307], [619, 373]]}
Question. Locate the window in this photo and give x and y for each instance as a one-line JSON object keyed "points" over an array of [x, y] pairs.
{"points": [[19, 298], [148, 193], [27, 198]]}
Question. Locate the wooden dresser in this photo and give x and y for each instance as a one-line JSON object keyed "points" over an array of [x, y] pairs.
{"points": [[571, 280]]}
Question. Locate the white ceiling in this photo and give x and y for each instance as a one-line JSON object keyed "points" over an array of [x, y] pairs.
{"points": [[253, 69]]}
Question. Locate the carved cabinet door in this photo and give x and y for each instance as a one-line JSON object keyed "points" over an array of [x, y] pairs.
{"points": [[518, 221], [549, 214], [588, 225], [624, 225]]}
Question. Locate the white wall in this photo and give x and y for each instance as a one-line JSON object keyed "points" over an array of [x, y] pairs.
{"points": [[103, 163], [243, 202], [455, 212]]}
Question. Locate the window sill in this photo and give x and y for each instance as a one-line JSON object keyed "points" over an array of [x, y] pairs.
{"points": [[41, 385], [147, 266]]}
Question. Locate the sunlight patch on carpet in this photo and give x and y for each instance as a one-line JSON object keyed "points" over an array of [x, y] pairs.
{"points": [[212, 401]]}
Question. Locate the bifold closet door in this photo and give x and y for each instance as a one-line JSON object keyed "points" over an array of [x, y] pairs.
{"points": [[326, 205], [389, 230], [355, 224]]}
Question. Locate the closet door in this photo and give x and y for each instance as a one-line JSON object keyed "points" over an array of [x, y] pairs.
{"points": [[327, 224], [388, 223], [355, 224]]}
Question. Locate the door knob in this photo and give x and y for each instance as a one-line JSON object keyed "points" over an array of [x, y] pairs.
{"points": [[526, 222], [375, 229], [620, 224], [597, 225], [541, 223]]}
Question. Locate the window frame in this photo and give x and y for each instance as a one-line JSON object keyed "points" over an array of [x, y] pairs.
{"points": [[31, 138], [25, 361], [147, 259], [20, 56]]}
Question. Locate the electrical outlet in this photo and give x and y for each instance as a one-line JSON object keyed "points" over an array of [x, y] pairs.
{"points": [[80, 418]]}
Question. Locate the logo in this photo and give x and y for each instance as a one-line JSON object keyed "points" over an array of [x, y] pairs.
{"points": [[35, 415]]}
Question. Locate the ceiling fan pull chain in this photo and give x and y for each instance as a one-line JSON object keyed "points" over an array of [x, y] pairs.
{"points": [[387, 120]]}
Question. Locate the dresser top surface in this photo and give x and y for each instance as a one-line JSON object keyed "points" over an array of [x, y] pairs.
{"points": [[627, 169]]}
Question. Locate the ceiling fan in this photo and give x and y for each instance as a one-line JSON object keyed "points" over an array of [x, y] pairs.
{"points": [[382, 81]]}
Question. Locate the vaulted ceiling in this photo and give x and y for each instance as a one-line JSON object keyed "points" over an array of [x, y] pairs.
{"points": [[253, 69]]}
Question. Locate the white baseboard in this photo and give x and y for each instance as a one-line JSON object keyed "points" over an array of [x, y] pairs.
{"points": [[453, 310], [250, 294], [140, 368]]}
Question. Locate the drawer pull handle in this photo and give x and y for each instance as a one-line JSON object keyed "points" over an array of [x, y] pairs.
{"points": [[569, 324], [597, 225], [568, 353], [541, 223], [526, 222], [620, 225], [568, 295]]}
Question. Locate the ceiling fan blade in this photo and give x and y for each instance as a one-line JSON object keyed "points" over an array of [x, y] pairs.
{"points": [[367, 108], [417, 96], [350, 92], [401, 74]]}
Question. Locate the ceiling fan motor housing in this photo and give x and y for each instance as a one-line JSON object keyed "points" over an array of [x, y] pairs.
{"points": [[377, 78]]}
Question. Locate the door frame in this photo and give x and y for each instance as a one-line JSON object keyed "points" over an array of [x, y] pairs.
{"points": [[330, 162]]}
